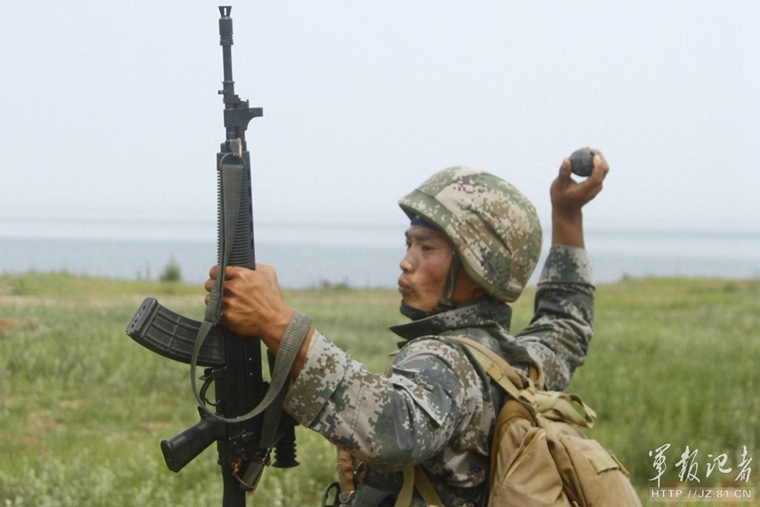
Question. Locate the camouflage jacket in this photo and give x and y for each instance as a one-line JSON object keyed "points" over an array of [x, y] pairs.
{"points": [[435, 407]]}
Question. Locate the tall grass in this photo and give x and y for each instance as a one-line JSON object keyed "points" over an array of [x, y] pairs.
{"points": [[676, 362], [83, 407]]}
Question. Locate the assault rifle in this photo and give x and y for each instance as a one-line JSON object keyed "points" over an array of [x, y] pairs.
{"points": [[247, 421]]}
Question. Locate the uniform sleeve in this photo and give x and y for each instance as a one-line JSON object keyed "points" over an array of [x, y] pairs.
{"points": [[559, 334], [391, 422]]}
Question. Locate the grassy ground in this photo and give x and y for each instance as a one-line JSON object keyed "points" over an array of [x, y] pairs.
{"points": [[82, 407]]}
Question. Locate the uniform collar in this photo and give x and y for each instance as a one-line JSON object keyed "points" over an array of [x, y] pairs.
{"points": [[483, 312]]}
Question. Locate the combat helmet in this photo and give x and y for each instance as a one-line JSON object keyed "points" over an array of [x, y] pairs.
{"points": [[495, 229]]}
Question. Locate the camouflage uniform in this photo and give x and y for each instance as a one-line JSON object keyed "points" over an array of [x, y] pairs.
{"points": [[436, 407]]}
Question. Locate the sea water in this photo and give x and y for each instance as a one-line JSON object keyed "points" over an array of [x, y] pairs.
{"points": [[362, 256]]}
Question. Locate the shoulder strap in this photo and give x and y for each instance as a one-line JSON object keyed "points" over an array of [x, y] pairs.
{"points": [[496, 366], [555, 404], [415, 477], [519, 387]]}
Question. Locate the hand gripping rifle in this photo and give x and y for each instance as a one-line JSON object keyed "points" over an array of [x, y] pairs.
{"points": [[247, 421]]}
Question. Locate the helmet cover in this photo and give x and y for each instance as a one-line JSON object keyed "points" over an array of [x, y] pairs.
{"points": [[494, 227]]}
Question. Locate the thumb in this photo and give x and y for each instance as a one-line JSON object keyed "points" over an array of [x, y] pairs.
{"points": [[563, 179]]}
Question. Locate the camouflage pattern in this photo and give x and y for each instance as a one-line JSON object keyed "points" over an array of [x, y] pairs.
{"points": [[494, 227], [435, 407], [559, 333]]}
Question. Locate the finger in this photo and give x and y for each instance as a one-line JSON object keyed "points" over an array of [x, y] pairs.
{"points": [[593, 189], [209, 285], [563, 179], [600, 170], [267, 272], [232, 272], [593, 185], [213, 272], [599, 159], [270, 275], [601, 162], [581, 193]]}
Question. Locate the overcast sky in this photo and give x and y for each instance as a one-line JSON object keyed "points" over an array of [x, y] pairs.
{"points": [[110, 109]]}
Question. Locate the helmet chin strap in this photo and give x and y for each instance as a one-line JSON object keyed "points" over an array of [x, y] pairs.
{"points": [[451, 281], [445, 303]]}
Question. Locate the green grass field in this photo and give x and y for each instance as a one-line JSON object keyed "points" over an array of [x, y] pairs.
{"points": [[83, 408]]}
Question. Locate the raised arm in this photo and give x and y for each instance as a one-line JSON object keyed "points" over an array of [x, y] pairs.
{"points": [[561, 329], [568, 198]]}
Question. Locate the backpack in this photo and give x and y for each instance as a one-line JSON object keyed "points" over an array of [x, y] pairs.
{"points": [[537, 457]]}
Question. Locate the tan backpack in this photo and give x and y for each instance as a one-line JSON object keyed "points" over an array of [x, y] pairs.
{"points": [[537, 457]]}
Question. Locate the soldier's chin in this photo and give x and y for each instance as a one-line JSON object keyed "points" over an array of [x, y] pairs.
{"points": [[415, 305], [412, 312], [411, 302]]}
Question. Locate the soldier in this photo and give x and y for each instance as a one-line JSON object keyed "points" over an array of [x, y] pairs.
{"points": [[473, 242]]}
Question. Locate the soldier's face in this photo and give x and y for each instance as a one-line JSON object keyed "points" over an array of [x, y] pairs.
{"points": [[425, 267]]}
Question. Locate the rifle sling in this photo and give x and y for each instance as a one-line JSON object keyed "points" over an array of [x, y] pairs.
{"points": [[269, 428], [231, 185]]}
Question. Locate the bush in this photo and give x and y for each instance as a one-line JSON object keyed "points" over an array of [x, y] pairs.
{"points": [[171, 272]]}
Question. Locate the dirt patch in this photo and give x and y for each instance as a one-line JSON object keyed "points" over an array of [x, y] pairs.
{"points": [[44, 420], [167, 300], [33, 300], [9, 324], [28, 441], [71, 404]]}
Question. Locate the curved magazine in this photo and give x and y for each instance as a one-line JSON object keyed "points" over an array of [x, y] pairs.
{"points": [[172, 335]]}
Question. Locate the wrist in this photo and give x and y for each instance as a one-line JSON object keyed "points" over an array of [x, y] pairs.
{"points": [[275, 330], [567, 228]]}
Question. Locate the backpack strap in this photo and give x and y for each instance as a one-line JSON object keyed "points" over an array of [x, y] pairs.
{"points": [[416, 478], [553, 404], [496, 366]]}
